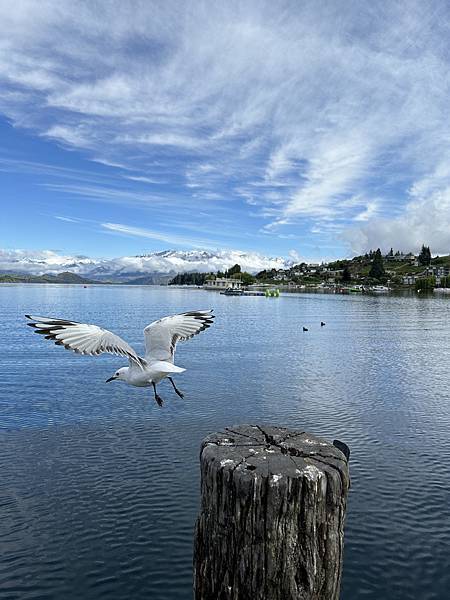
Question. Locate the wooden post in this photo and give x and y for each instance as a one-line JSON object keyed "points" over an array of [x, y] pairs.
{"points": [[271, 523]]}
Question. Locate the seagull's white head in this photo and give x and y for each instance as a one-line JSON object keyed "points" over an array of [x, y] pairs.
{"points": [[121, 374]]}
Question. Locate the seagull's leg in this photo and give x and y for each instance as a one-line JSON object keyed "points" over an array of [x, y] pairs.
{"points": [[157, 397], [177, 391]]}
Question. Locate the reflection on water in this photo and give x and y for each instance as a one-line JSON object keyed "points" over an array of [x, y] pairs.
{"points": [[99, 486]]}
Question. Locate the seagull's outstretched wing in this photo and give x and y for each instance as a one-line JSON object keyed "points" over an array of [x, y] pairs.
{"points": [[161, 337], [83, 338]]}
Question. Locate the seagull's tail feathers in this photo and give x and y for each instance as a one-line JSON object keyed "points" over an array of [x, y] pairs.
{"points": [[166, 367]]}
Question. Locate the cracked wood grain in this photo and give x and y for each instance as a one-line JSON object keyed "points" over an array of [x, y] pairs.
{"points": [[271, 523]]}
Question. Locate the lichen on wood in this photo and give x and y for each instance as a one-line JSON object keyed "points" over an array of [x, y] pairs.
{"points": [[271, 523]]}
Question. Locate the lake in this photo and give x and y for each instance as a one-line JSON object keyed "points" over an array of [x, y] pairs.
{"points": [[99, 487]]}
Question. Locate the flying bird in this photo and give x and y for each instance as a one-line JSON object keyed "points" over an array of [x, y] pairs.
{"points": [[160, 337]]}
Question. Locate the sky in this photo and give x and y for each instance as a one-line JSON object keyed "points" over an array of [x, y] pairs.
{"points": [[312, 130]]}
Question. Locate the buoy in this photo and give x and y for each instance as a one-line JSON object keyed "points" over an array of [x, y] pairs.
{"points": [[272, 293]]}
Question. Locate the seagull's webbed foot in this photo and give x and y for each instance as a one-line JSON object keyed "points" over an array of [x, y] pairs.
{"points": [[158, 399], [177, 391]]}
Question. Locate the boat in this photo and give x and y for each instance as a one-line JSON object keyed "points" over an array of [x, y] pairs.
{"points": [[379, 289], [232, 292], [253, 293], [241, 292]]}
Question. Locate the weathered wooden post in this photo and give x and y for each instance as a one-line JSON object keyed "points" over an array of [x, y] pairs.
{"points": [[271, 523]]}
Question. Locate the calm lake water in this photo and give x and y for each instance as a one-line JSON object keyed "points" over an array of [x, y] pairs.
{"points": [[99, 487]]}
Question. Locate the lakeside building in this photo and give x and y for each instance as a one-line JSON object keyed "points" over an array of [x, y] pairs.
{"points": [[222, 283], [281, 276], [438, 271], [410, 279]]}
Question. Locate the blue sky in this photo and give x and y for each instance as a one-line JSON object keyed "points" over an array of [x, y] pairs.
{"points": [[314, 129]]}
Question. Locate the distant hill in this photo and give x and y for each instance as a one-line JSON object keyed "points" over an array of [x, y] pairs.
{"points": [[153, 279], [65, 277], [158, 267], [190, 267]]}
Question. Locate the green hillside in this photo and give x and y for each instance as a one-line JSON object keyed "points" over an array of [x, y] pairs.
{"points": [[65, 277]]}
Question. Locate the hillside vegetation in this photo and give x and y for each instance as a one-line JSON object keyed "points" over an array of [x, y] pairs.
{"points": [[66, 277]]}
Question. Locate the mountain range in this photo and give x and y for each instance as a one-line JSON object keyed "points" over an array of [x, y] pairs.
{"points": [[156, 267]]}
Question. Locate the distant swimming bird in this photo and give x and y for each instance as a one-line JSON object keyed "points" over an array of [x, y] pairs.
{"points": [[161, 338], [305, 329], [322, 323]]}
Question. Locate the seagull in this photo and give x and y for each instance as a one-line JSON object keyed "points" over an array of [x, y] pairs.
{"points": [[160, 337]]}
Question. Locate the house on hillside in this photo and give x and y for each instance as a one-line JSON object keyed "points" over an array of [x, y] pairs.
{"points": [[438, 270], [409, 279], [281, 276], [400, 257]]}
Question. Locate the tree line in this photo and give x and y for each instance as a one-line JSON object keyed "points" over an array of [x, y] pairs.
{"points": [[377, 271], [194, 278]]}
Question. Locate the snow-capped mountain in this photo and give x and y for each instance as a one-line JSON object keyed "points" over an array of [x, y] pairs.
{"points": [[125, 268]]}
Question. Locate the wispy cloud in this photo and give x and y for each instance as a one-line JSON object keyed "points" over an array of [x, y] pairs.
{"points": [[167, 238], [112, 195], [67, 219], [73, 136], [142, 179], [289, 108]]}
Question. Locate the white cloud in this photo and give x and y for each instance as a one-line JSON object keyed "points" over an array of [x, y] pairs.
{"points": [[142, 179], [424, 220], [170, 261], [297, 107], [159, 139], [41, 261], [73, 136], [67, 219], [112, 195], [168, 238], [295, 256], [368, 213]]}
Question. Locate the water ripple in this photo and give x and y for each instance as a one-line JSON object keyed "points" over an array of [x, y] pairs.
{"points": [[100, 487]]}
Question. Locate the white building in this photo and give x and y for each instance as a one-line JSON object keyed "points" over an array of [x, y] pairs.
{"points": [[410, 279], [438, 271], [400, 257], [222, 283]]}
